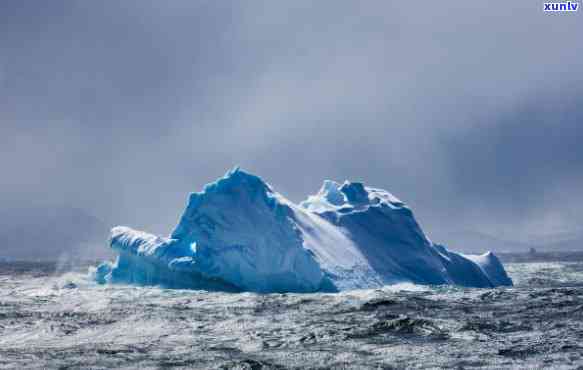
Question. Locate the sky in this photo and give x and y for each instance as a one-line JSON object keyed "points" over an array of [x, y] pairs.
{"points": [[471, 112]]}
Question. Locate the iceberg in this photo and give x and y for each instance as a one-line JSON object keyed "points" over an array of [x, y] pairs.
{"points": [[238, 234]]}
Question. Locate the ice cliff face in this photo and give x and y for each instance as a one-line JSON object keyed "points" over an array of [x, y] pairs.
{"points": [[240, 235]]}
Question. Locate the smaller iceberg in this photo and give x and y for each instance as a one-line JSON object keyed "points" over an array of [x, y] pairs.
{"points": [[240, 235]]}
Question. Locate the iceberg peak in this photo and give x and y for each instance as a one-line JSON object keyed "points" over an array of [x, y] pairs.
{"points": [[350, 195], [330, 191], [237, 179], [355, 192]]}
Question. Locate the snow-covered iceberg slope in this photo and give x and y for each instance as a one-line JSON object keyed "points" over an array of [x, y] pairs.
{"points": [[240, 235]]}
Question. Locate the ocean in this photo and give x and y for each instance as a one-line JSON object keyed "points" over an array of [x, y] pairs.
{"points": [[53, 316]]}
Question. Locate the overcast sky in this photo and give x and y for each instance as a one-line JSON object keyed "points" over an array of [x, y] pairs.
{"points": [[470, 111]]}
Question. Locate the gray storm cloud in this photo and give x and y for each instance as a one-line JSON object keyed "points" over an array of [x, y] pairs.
{"points": [[469, 111]]}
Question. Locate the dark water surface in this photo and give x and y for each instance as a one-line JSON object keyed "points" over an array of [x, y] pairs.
{"points": [[52, 317]]}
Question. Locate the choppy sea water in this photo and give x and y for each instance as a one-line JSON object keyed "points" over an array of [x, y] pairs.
{"points": [[55, 319]]}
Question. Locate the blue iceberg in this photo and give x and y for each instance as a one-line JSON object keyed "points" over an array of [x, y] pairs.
{"points": [[240, 235]]}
